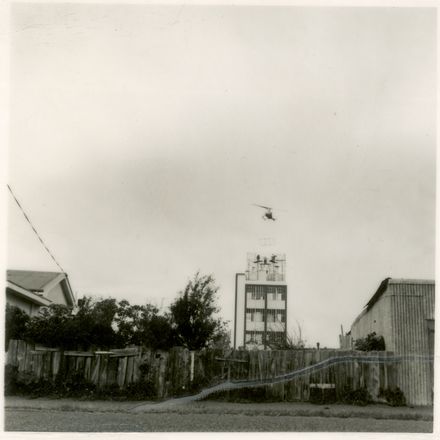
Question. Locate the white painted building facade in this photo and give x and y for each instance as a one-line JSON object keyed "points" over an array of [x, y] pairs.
{"points": [[261, 302]]}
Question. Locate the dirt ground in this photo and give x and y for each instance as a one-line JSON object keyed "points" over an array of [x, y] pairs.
{"points": [[80, 421], [181, 406]]}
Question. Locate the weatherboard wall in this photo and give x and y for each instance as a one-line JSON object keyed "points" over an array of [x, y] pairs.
{"points": [[14, 300], [56, 295]]}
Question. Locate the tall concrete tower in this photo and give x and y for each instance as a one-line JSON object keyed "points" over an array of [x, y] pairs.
{"points": [[261, 302]]}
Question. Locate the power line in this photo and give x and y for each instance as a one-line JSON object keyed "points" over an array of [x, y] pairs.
{"points": [[33, 228]]}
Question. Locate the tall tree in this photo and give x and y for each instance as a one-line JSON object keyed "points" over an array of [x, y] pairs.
{"points": [[192, 314], [142, 325], [94, 322]]}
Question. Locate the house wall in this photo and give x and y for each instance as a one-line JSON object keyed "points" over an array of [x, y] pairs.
{"points": [[27, 306], [56, 295]]}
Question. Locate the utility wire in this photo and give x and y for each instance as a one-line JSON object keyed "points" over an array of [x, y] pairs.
{"points": [[32, 226]]}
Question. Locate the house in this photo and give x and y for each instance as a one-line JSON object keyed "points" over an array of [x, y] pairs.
{"points": [[402, 311], [30, 290], [261, 303]]}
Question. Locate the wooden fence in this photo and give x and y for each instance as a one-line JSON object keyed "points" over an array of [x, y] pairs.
{"points": [[180, 371]]}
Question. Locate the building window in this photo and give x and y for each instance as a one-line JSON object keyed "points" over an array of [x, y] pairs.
{"points": [[281, 315], [255, 292], [254, 315], [270, 316]]}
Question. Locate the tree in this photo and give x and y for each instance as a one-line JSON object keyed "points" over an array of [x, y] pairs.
{"points": [[90, 327], [52, 327], [160, 334], [94, 322], [100, 324], [16, 321], [142, 325], [129, 322], [192, 314], [222, 340]]}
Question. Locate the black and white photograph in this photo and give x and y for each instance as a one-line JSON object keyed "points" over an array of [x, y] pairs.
{"points": [[219, 217]]}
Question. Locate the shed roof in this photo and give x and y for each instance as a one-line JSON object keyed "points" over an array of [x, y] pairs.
{"points": [[409, 281], [387, 281]]}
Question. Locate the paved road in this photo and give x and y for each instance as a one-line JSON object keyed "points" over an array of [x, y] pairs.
{"points": [[69, 421]]}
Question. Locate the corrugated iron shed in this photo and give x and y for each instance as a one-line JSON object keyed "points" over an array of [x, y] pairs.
{"points": [[402, 311]]}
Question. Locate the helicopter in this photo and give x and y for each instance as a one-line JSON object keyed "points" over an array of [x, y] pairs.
{"points": [[268, 214]]}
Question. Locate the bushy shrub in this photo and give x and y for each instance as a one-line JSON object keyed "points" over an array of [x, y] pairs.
{"points": [[322, 396], [10, 386], [359, 396], [394, 396], [96, 323], [371, 343], [75, 385], [53, 327], [199, 383], [141, 390], [15, 324]]}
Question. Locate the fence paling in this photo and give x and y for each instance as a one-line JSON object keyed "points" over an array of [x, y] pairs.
{"points": [[285, 374]]}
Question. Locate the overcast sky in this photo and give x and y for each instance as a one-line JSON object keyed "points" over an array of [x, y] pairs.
{"points": [[140, 136]]}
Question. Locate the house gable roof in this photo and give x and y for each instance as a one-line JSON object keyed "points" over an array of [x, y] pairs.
{"points": [[31, 280], [40, 283]]}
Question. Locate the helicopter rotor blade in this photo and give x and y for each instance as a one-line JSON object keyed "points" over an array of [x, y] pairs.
{"points": [[261, 206]]}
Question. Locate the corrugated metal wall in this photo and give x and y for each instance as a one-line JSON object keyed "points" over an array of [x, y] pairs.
{"points": [[402, 315], [377, 319], [412, 306]]}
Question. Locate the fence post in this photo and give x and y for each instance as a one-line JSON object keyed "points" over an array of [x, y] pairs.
{"points": [[12, 353], [191, 374]]}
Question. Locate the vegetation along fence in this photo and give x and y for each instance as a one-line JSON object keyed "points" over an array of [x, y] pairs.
{"points": [[287, 374]]}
